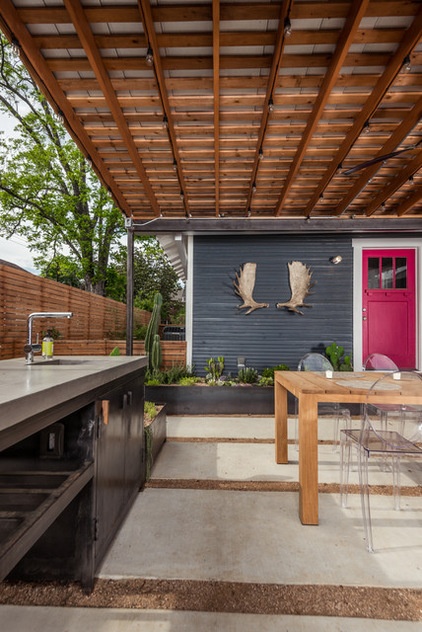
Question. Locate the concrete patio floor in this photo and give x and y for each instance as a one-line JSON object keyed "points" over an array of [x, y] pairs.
{"points": [[217, 512]]}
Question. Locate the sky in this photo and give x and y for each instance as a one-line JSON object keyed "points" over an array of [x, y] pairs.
{"points": [[14, 249]]}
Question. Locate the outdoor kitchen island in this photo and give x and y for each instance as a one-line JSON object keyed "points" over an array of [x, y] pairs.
{"points": [[71, 462]]}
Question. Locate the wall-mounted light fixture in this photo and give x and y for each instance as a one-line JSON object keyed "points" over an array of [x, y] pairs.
{"points": [[241, 363], [336, 259]]}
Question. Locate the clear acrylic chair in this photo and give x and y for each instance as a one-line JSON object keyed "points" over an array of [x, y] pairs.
{"points": [[381, 362], [392, 444], [318, 362]]}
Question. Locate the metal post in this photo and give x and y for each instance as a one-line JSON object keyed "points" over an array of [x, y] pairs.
{"points": [[129, 288]]}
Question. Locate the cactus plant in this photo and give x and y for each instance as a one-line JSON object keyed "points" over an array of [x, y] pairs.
{"points": [[214, 368], [340, 362], [156, 353], [152, 328]]}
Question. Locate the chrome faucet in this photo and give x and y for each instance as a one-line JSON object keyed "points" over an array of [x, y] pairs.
{"points": [[31, 348]]}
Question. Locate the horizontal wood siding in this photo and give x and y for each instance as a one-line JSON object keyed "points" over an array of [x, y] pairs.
{"points": [[21, 293], [271, 336]]}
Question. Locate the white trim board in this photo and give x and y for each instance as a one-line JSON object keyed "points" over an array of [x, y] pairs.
{"points": [[390, 243]]}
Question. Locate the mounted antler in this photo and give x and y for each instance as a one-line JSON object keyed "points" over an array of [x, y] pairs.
{"points": [[244, 287], [300, 285]]}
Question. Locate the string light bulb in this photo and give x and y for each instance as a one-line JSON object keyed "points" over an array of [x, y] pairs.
{"points": [[270, 105], [287, 27], [16, 49], [260, 154], [149, 58], [366, 128], [254, 187], [406, 63]]}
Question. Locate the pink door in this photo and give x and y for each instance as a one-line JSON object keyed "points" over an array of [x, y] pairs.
{"points": [[388, 305]]}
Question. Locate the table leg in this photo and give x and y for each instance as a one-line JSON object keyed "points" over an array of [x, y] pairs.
{"points": [[280, 410], [308, 459]]}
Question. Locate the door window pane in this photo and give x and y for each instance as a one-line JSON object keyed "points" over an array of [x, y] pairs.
{"points": [[373, 273], [401, 272], [387, 279]]}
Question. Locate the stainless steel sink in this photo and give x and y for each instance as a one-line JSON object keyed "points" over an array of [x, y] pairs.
{"points": [[58, 361]]}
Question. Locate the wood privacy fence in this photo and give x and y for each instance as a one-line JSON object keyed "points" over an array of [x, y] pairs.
{"points": [[173, 351], [93, 330]]}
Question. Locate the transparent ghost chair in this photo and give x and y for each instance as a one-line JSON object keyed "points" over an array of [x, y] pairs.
{"points": [[381, 362], [318, 362], [402, 438]]}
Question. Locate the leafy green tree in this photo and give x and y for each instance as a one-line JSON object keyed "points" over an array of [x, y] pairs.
{"points": [[152, 273], [48, 192]]}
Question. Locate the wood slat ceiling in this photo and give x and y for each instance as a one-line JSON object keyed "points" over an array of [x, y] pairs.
{"points": [[235, 117]]}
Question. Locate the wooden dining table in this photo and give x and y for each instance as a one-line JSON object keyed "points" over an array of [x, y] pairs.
{"points": [[310, 388]]}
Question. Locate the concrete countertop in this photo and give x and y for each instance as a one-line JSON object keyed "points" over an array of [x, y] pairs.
{"points": [[27, 390]]}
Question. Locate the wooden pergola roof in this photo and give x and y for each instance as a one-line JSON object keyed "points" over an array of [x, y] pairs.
{"points": [[208, 109]]}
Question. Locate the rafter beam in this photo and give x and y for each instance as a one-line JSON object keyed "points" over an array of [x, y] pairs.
{"points": [[410, 39], [395, 184], [357, 11], [148, 23], [86, 37], [396, 138], [216, 89], [409, 202], [272, 79]]}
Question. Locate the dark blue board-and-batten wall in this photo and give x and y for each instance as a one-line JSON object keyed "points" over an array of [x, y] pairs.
{"points": [[269, 336]]}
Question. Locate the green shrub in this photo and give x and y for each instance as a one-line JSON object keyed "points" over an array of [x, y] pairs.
{"points": [[150, 410], [154, 378], [269, 371], [266, 381], [140, 332], [174, 375], [248, 375], [189, 381]]}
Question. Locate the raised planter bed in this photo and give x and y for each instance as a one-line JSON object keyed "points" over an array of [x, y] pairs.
{"points": [[213, 400], [155, 434]]}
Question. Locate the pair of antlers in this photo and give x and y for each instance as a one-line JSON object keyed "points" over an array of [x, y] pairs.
{"points": [[300, 285]]}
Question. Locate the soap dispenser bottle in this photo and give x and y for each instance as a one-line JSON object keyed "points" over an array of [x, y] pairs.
{"points": [[47, 348]]}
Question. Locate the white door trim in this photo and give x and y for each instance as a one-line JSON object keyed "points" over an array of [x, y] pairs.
{"points": [[358, 246]]}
